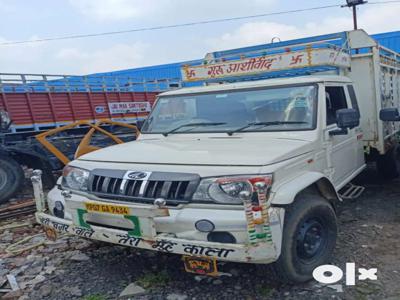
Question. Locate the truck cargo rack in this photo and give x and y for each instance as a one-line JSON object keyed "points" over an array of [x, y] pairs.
{"points": [[326, 53], [22, 83]]}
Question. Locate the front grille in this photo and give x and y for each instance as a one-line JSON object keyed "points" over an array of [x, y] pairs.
{"points": [[175, 188]]}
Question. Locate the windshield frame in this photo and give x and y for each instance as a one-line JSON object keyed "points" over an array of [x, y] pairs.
{"points": [[264, 129]]}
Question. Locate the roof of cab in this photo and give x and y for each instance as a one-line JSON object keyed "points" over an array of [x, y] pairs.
{"points": [[258, 84]]}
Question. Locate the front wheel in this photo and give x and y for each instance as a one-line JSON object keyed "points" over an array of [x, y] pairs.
{"points": [[309, 237], [11, 178]]}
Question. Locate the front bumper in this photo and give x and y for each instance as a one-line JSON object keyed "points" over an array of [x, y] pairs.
{"points": [[157, 229], [260, 253]]}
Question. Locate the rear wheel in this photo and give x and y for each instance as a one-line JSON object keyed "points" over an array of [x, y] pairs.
{"points": [[309, 237], [11, 178]]}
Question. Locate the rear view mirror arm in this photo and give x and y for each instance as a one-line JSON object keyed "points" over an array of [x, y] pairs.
{"points": [[340, 131]]}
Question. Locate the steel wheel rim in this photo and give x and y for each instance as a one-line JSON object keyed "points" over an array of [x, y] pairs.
{"points": [[311, 239]]}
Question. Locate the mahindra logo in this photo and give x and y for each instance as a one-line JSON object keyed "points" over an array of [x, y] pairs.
{"points": [[137, 175]]}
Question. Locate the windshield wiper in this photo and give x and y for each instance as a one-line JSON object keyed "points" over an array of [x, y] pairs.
{"points": [[194, 125], [271, 123]]}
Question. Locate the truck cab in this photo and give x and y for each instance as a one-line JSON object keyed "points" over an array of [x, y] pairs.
{"points": [[201, 148], [245, 172]]}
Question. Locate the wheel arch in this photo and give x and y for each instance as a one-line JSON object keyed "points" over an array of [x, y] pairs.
{"points": [[309, 183]]}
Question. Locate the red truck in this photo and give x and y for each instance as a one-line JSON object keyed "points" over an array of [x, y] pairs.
{"points": [[31, 104]]}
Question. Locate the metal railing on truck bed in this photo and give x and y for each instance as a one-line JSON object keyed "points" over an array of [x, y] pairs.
{"points": [[320, 54], [323, 54]]}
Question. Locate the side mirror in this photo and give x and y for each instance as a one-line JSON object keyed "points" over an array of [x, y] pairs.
{"points": [[346, 118], [389, 114]]}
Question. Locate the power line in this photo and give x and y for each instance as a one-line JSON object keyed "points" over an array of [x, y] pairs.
{"points": [[80, 36]]}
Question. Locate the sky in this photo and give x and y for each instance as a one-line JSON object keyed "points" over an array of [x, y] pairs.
{"points": [[26, 20]]}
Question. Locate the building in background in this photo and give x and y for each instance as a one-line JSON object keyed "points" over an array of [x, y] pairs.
{"points": [[390, 40]]}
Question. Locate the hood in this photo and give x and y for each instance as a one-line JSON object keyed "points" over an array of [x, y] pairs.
{"points": [[218, 151]]}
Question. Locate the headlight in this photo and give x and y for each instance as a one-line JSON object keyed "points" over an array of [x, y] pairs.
{"points": [[226, 189], [75, 178]]}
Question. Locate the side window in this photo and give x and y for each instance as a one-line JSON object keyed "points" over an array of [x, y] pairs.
{"points": [[335, 99], [353, 97]]}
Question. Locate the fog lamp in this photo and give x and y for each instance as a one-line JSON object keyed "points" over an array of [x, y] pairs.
{"points": [[221, 237], [204, 226]]}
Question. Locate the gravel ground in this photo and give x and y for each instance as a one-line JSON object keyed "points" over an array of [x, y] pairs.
{"points": [[73, 268]]}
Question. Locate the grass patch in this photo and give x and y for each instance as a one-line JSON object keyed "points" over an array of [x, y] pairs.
{"points": [[94, 297], [153, 279], [264, 291]]}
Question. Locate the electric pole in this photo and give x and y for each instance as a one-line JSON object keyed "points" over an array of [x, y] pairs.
{"points": [[353, 4]]}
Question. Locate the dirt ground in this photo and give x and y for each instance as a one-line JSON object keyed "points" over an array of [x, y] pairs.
{"points": [[73, 268]]}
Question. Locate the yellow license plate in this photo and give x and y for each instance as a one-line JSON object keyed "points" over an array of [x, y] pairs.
{"points": [[107, 208], [200, 265]]}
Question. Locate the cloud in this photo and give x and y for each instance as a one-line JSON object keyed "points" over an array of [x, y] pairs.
{"points": [[380, 18], [85, 56], [29, 58], [171, 10], [113, 9], [61, 58], [118, 56], [6, 6], [373, 19], [253, 33]]}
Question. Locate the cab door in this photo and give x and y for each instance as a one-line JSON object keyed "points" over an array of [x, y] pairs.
{"points": [[359, 149], [341, 154]]}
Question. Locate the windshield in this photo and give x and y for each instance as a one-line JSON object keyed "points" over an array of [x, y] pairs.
{"points": [[284, 109]]}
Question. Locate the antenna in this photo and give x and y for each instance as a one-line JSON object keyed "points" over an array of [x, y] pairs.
{"points": [[275, 38]]}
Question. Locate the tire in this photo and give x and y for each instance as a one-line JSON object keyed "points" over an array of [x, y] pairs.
{"points": [[11, 178], [305, 220], [388, 164]]}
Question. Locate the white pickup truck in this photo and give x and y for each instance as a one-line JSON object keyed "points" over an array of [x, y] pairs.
{"points": [[246, 171]]}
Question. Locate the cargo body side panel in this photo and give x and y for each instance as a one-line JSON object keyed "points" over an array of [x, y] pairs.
{"points": [[363, 75], [36, 111], [375, 71]]}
